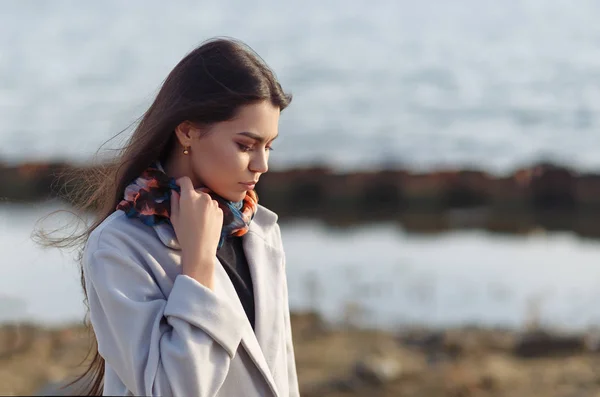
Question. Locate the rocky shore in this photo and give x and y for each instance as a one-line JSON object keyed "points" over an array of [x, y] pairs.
{"points": [[543, 196], [356, 362]]}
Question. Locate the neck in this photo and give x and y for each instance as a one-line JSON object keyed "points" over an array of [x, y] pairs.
{"points": [[178, 166]]}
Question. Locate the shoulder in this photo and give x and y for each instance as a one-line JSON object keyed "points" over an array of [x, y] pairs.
{"points": [[120, 233]]}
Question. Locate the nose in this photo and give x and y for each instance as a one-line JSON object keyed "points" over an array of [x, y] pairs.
{"points": [[259, 162]]}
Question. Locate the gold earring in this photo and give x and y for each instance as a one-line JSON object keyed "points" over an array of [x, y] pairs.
{"points": [[186, 150]]}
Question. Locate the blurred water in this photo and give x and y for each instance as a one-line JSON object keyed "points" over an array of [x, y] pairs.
{"points": [[392, 277], [427, 84], [465, 277], [36, 284]]}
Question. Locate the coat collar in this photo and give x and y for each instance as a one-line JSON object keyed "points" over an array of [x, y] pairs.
{"points": [[265, 261]]}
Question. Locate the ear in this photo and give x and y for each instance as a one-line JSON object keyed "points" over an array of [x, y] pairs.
{"points": [[187, 132]]}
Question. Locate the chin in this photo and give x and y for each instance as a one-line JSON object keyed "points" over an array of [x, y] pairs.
{"points": [[235, 197], [240, 197]]}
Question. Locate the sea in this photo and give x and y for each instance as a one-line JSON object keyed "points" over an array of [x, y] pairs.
{"points": [[420, 85], [486, 84]]}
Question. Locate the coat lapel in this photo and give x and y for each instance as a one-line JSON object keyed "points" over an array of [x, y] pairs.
{"points": [[249, 341], [264, 262], [266, 271]]}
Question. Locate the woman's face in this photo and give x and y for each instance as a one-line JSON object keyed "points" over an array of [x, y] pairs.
{"points": [[231, 154]]}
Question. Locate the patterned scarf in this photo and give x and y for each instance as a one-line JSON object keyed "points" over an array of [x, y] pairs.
{"points": [[149, 198]]}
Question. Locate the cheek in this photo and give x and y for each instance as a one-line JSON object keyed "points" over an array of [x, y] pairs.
{"points": [[231, 159], [221, 163]]}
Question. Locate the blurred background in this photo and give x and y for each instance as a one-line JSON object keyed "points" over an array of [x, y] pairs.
{"points": [[478, 119]]}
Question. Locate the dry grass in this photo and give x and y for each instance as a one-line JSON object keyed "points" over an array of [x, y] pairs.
{"points": [[470, 363]]}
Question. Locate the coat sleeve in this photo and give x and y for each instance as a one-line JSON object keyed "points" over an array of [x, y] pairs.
{"points": [[177, 346], [292, 374]]}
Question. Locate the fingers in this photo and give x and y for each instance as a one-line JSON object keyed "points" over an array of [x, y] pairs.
{"points": [[203, 190], [174, 204], [187, 188], [185, 183]]}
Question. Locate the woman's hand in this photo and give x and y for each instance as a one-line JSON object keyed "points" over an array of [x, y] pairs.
{"points": [[197, 220]]}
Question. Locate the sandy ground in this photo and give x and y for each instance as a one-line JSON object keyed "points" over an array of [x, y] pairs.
{"points": [[353, 362]]}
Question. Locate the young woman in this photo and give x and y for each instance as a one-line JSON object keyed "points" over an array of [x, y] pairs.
{"points": [[184, 271]]}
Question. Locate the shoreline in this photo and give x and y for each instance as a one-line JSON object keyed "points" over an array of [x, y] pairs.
{"points": [[466, 361], [540, 197]]}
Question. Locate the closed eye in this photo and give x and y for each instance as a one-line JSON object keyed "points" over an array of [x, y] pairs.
{"points": [[244, 148]]}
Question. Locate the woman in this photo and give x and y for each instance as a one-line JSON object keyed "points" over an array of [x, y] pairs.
{"points": [[184, 271]]}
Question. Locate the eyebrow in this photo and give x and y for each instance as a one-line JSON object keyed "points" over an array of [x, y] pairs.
{"points": [[257, 138]]}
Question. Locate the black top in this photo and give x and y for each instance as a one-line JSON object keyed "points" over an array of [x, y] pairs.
{"points": [[232, 256]]}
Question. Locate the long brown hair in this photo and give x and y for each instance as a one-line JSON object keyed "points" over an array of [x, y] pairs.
{"points": [[207, 86]]}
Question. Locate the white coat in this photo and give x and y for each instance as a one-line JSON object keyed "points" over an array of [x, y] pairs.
{"points": [[163, 333]]}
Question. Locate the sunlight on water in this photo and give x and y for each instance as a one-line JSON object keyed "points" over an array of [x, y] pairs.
{"points": [[395, 278], [379, 275], [492, 84], [37, 284]]}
